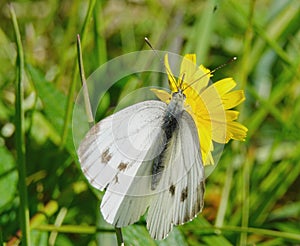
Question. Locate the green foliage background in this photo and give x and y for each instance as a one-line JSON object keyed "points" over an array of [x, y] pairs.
{"points": [[252, 197]]}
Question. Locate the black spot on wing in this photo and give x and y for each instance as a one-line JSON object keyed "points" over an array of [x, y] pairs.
{"points": [[202, 191], [84, 170], [184, 194], [122, 166], [172, 189], [106, 156], [116, 179], [92, 181], [197, 207], [186, 218]]}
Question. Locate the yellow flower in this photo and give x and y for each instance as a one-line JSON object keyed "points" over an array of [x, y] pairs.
{"points": [[209, 105]]}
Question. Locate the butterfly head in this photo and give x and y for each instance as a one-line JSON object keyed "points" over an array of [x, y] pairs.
{"points": [[179, 95]]}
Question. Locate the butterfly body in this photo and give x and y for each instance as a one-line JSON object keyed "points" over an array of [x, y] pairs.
{"points": [[169, 126]]}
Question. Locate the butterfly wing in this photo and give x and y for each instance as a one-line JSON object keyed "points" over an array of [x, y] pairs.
{"points": [[111, 155], [119, 158], [181, 188]]}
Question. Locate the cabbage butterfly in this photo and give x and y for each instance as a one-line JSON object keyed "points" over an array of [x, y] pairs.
{"points": [[148, 156]]}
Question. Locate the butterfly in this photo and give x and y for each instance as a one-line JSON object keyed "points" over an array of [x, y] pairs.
{"points": [[149, 157]]}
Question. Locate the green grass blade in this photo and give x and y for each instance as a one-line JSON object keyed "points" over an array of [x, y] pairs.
{"points": [[266, 232], [72, 88], [52, 99], [20, 134], [99, 39], [200, 44], [225, 197]]}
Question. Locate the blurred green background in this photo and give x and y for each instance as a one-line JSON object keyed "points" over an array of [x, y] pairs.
{"points": [[252, 197]]}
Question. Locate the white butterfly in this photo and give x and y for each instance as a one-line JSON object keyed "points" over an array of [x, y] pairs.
{"points": [[146, 156]]}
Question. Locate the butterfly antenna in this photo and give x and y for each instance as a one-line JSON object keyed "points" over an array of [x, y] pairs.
{"points": [[214, 70], [161, 60], [224, 64]]}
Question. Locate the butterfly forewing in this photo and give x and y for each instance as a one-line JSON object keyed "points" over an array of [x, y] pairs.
{"points": [[116, 146]]}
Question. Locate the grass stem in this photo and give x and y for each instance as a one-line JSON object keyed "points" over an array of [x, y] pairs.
{"points": [[20, 134]]}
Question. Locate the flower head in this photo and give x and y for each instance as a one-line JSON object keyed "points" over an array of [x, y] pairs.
{"points": [[210, 105]]}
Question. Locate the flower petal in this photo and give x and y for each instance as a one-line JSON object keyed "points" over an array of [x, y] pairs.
{"points": [[200, 79], [187, 68], [162, 95], [197, 77], [232, 99], [205, 126], [172, 80], [225, 85], [231, 115], [236, 131]]}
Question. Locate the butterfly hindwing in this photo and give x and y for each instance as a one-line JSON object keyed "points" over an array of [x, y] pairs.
{"points": [[181, 189]]}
